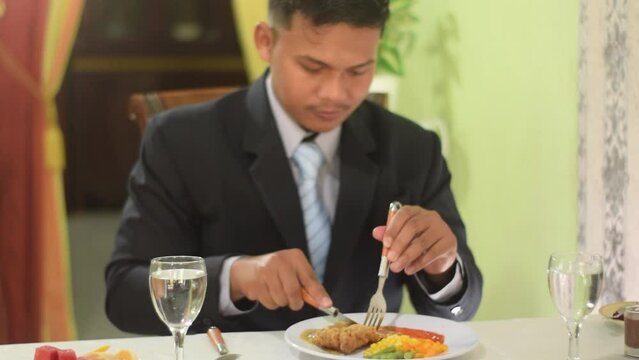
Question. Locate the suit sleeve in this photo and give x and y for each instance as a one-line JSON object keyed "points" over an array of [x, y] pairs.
{"points": [[437, 195], [158, 219]]}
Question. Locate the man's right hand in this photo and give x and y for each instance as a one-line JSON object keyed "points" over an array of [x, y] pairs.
{"points": [[276, 280]]}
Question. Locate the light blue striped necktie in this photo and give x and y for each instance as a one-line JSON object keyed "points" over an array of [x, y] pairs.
{"points": [[309, 158]]}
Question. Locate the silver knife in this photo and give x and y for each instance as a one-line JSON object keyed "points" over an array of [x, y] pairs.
{"points": [[333, 313]]}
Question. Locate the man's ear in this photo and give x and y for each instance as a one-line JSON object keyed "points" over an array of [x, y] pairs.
{"points": [[264, 40]]}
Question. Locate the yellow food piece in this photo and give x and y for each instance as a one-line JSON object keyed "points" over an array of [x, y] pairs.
{"points": [[102, 349], [101, 354], [405, 343], [126, 355]]}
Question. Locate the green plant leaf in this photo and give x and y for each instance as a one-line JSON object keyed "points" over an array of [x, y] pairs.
{"points": [[399, 37]]}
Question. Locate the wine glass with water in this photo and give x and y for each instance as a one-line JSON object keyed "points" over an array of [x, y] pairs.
{"points": [[178, 287], [575, 282]]}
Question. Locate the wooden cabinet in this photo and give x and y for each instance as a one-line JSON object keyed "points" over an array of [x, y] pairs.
{"points": [[128, 46]]}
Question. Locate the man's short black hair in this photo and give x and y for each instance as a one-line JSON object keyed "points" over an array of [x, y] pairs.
{"points": [[358, 13]]}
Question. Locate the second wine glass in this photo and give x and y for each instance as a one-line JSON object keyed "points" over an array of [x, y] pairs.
{"points": [[178, 288], [575, 283]]}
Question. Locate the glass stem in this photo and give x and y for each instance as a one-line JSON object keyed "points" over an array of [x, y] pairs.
{"points": [[574, 328], [178, 337]]}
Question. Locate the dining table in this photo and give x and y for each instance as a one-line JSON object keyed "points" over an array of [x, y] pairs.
{"points": [[519, 338]]}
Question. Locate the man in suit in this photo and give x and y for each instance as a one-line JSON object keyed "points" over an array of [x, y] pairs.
{"points": [[222, 180]]}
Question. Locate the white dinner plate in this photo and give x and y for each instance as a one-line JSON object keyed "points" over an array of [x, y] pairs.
{"points": [[459, 337], [608, 310]]}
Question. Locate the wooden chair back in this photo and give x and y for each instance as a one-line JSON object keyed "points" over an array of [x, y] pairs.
{"points": [[142, 106]]}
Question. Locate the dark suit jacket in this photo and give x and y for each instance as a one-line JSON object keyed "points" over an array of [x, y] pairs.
{"points": [[213, 180]]}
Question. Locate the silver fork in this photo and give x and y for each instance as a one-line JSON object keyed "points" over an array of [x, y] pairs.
{"points": [[377, 305]]}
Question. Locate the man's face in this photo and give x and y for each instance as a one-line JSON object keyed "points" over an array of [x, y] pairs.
{"points": [[320, 74]]}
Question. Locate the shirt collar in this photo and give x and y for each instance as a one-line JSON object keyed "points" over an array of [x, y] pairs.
{"points": [[292, 134]]}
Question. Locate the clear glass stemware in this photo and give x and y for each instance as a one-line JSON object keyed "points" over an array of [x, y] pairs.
{"points": [[178, 286], [575, 282]]}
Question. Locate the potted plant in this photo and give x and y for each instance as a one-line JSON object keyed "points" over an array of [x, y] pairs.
{"points": [[396, 43], [398, 38]]}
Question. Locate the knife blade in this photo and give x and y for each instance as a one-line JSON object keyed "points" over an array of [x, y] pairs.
{"points": [[333, 313]]}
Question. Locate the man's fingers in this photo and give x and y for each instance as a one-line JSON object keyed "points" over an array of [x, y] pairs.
{"points": [[439, 257], [319, 294], [292, 289], [412, 227], [424, 240], [261, 294], [306, 278], [267, 301], [310, 283], [414, 251], [420, 245], [420, 263], [378, 232], [442, 254], [395, 226], [276, 290], [277, 279]]}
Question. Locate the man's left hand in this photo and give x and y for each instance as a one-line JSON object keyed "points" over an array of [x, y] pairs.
{"points": [[418, 239]]}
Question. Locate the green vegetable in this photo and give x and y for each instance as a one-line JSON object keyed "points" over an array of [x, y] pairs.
{"points": [[392, 355], [389, 349]]}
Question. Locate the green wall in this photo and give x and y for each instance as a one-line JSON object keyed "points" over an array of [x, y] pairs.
{"points": [[503, 76]]}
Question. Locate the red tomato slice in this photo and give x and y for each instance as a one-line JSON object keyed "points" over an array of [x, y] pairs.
{"points": [[416, 333]]}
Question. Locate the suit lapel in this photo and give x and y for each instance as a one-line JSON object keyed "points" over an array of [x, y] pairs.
{"points": [[358, 180], [270, 168], [272, 175]]}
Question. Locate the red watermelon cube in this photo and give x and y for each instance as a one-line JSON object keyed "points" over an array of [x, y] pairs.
{"points": [[66, 354], [46, 352]]}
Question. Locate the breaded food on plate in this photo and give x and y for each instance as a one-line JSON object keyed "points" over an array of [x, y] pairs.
{"points": [[345, 339]]}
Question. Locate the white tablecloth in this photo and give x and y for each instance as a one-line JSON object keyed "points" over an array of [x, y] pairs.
{"points": [[521, 339]]}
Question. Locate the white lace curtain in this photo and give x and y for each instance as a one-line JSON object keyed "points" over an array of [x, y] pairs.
{"points": [[609, 141]]}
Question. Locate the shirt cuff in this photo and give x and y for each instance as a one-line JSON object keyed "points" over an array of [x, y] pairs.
{"points": [[226, 305], [451, 289]]}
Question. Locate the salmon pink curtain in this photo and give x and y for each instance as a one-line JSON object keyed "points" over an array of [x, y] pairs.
{"points": [[4, 331], [57, 321], [36, 37], [21, 166]]}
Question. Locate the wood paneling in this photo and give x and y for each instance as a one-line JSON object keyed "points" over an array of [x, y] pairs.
{"points": [[124, 47]]}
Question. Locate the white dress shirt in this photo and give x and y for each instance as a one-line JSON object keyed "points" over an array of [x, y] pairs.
{"points": [[292, 135]]}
